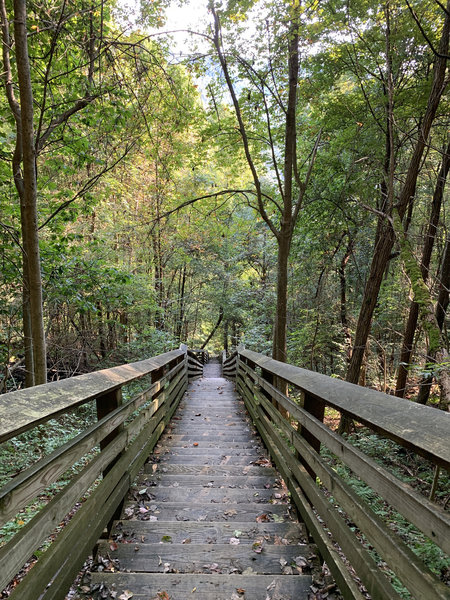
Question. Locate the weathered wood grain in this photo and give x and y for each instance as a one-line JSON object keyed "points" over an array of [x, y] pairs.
{"points": [[155, 558], [203, 469], [215, 481], [421, 428], [426, 515], [193, 532], [28, 484], [18, 550], [207, 587], [406, 564], [27, 408]]}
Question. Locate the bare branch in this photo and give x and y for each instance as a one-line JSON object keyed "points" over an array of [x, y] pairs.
{"points": [[87, 186], [243, 131], [63, 118], [423, 32]]}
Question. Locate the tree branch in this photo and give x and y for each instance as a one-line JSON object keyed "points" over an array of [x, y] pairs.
{"points": [[423, 32], [242, 129], [87, 186]]}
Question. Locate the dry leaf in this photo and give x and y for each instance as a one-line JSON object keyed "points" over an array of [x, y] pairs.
{"points": [[262, 518]]}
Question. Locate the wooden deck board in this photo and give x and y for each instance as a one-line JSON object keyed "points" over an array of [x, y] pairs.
{"points": [[207, 500]]}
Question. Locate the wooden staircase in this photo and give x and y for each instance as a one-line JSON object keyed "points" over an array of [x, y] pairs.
{"points": [[209, 518]]}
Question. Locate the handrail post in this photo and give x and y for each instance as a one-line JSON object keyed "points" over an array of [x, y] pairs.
{"points": [[315, 407], [106, 404]]}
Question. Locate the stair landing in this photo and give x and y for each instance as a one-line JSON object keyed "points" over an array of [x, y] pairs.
{"points": [[209, 518]]}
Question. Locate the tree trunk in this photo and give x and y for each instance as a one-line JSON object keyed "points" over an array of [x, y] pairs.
{"points": [[434, 355], [280, 326], [430, 237], [214, 329], [385, 235], [29, 198], [343, 300]]}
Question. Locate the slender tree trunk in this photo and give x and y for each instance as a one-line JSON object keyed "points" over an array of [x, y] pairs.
{"points": [[434, 355], [214, 329], [343, 301], [279, 351], [385, 235], [430, 237], [29, 198], [101, 330], [181, 312], [280, 326], [225, 336]]}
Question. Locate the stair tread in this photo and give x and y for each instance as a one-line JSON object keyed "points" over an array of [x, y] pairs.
{"points": [[214, 532], [207, 586], [203, 558]]}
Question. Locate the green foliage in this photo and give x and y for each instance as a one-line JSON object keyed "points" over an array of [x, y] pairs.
{"points": [[409, 468]]}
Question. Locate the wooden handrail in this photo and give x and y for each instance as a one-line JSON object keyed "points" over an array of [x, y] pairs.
{"points": [[420, 428], [27, 408], [296, 452], [126, 433]]}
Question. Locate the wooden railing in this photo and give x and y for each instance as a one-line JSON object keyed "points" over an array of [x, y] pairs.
{"points": [[202, 356], [335, 515], [125, 433]]}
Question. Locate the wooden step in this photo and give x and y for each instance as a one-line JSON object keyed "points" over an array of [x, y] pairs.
{"points": [[206, 494], [182, 441], [197, 450], [219, 470], [205, 558], [219, 460], [206, 587], [207, 533], [215, 481], [215, 437], [208, 518], [208, 511]]}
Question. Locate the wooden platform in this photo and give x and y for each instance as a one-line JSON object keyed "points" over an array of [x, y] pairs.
{"points": [[209, 518]]}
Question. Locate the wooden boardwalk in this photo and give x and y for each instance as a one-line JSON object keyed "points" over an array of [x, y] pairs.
{"points": [[209, 518]]}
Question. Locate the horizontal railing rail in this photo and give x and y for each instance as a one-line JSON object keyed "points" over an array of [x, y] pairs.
{"points": [[334, 513], [229, 364], [194, 365], [202, 356], [113, 450]]}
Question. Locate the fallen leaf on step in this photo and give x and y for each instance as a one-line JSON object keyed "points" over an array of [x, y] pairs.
{"points": [[166, 539], [195, 444], [126, 595], [234, 541], [262, 518]]}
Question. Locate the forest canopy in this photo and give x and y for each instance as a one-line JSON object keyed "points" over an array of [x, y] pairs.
{"points": [[279, 183]]}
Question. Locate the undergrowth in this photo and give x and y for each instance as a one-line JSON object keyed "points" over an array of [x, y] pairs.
{"points": [[407, 467], [24, 450]]}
